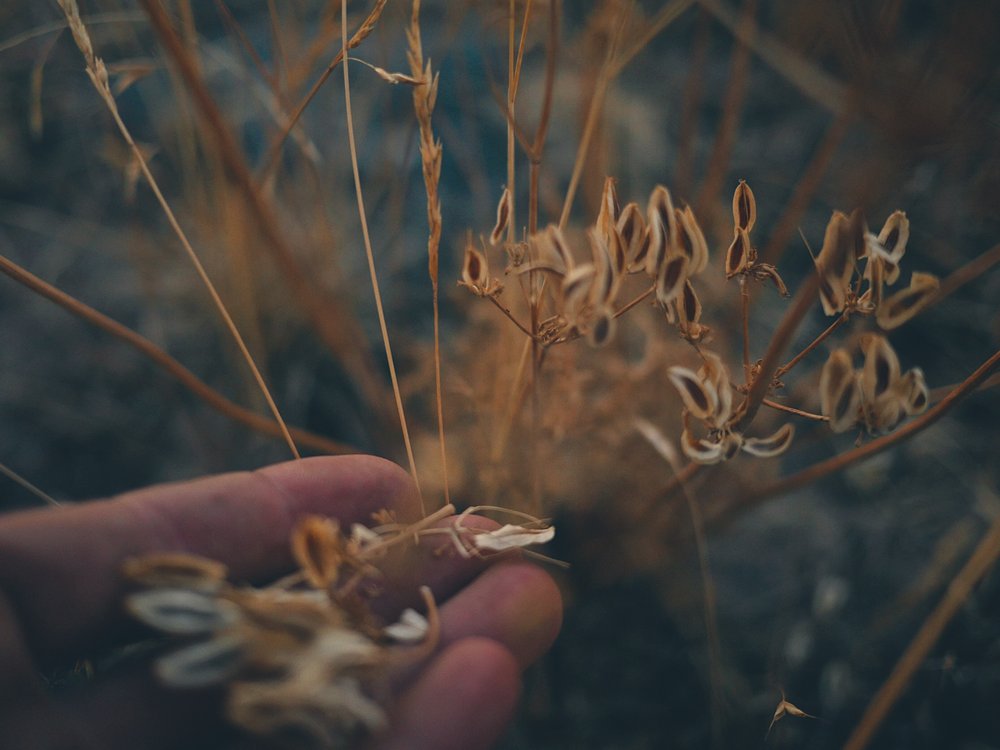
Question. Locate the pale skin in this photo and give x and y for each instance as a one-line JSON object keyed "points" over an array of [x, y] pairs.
{"points": [[61, 600]]}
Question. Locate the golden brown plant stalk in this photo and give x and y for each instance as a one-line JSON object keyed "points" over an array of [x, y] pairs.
{"points": [[424, 97], [98, 74]]}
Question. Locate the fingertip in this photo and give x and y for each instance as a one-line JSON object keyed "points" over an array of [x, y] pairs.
{"points": [[463, 701]]}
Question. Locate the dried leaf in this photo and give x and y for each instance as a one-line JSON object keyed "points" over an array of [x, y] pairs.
{"points": [[773, 445], [182, 611], [503, 218], [905, 304], [510, 536], [839, 393], [744, 207], [699, 397]]}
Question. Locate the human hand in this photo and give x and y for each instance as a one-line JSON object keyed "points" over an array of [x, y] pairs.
{"points": [[61, 595]]}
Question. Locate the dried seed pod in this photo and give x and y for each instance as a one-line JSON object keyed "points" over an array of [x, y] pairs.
{"points": [[175, 570], [662, 229], [762, 271], [894, 236], [602, 327], [317, 548], [182, 611], [689, 306], [835, 263], [503, 218], [906, 303], [772, 445], [701, 451], [475, 272], [670, 282], [576, 287], [631, 228], [714, 371], [692, 240], [744, 207], [883, 414], [699, 396], [738, 254], [881, 368], [607, 218], [202, 664], [606, 277], [839, 393], [913, 391]]}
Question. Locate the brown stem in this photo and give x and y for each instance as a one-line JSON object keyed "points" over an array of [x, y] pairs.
{"points": [[969, 272], [837, 463], [745, 318], [158, 356], [804, 299], [778, 406], [979, 563], [510, 316], [815, 342], [621, 311], [331, 321]]}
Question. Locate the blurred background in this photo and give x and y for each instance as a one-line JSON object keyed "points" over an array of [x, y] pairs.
{"points": [[819, 106]]}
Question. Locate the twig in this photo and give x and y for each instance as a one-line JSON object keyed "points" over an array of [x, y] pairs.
{"points": [[969, 272], [978, 564], [510, 316], [745, 326], [792, 410], [24, 483], [812, 345], [159, 357], [371, 262], [624, 309]]}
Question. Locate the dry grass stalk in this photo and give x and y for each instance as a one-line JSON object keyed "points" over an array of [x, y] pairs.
{"points": [[98, 74], [371, 263], [424, 97]]}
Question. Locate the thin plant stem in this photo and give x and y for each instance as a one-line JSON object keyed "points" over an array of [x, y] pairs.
{"points": [[510, 316], [979, 563], [171, 366], [842, 461], [25, 484], [745, 327], [635, 301], [98, 76], [812, 345], [371, 262], [969, 272], [778, 406]]}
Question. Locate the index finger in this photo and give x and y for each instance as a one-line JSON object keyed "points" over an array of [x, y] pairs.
{"points": [[60, 569]]}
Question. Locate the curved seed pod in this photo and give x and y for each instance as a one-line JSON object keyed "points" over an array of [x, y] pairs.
{"points": [[744, 207], [914, 393], [738, 254], [317, 548], [906, 303], [875, 273], [182, 611], [618, 251], [731, 444], [475, 272], [576, 289], [559, 246], [894, 236], [701, 451], [699, 397], [602, 328], [670, 282], [835, 263], [881, 368], [205, 663], [714, 371], [175, 570], [607, 218], [839, 394], [688, 306], [772, 445], [883, 414], [692, 240], [632, 229], [662, 229], [605, 284], [503, 218]]}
